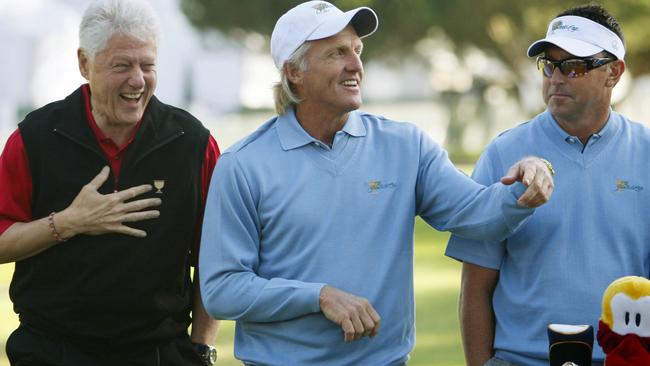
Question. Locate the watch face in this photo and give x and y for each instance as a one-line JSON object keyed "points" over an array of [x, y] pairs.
{"points": [[213, 355]]}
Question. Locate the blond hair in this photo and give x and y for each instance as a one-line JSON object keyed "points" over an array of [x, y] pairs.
{"points": [[283, 93]]}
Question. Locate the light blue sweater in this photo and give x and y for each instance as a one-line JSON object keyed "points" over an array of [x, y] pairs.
{"points": [[593, 230], [286, 215]]}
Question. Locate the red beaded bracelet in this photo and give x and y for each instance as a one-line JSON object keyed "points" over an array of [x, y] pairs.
{"points": [[55, 234]]}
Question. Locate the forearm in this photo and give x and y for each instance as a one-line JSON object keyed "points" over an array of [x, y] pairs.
{"points": [[484, 213], [246, 296], [25, 239], [477, 331], [204, 327], [451, 201], [476, 314], [231, 284]]}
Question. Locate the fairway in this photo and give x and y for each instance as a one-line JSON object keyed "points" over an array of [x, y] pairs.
{"points": [[437, 280]]}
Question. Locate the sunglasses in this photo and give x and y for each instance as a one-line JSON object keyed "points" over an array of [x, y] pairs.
{"points": [[572, 68]]}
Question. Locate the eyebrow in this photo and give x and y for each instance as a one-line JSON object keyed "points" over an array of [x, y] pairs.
{"points": [[344, 45]]}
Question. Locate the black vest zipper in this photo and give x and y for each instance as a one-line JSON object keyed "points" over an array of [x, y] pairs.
{"points": [[159, 145], [91, 148]]}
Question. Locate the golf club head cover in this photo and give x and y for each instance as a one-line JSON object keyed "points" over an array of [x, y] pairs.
{"points": [[624, 327], [570, 345]]}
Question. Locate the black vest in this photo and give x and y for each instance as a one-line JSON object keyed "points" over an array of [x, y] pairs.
{"points": [[112, 288]]}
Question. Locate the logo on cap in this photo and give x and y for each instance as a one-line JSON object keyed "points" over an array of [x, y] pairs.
{"points": [[559, 25], [322, 7]]}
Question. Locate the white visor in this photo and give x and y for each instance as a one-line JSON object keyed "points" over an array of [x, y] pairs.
{"points": [[580, 37]]}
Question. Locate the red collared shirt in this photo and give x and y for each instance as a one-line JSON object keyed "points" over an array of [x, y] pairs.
{"points": [[113, 152], [16, 178]]}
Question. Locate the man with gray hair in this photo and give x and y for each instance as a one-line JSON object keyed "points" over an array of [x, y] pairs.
{"points": [[101, 204], [308, 231]]}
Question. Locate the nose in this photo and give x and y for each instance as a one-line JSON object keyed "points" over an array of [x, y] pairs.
{"points": [[136, 78], [354, 63], [557, 77]]}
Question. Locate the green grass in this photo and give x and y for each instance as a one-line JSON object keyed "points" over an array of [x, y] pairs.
{"points": [[437, 280]]}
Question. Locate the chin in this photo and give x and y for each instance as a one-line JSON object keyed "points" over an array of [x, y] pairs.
{"points": [[131, 119], [354, 105]]}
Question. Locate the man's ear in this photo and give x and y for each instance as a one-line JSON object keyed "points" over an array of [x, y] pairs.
{"points": [[84, 63], [616, 70], [294, 74]]}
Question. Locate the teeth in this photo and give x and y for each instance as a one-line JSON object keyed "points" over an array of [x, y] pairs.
{"points": [[350, 83], [132, 95]]}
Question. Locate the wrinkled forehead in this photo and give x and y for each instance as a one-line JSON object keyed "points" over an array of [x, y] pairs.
{"points": [[120, 43], [346, 37]]}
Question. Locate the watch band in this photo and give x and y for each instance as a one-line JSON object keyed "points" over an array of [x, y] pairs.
{"points": [[549, 166]]}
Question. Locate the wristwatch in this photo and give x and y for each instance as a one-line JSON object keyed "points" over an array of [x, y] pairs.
{"points": [[207, 353]]}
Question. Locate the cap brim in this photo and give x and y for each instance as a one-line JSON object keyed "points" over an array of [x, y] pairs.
{"points": [[364, 20], [573, 46]]}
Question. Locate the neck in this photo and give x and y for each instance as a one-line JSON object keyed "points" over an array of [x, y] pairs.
{"points": [[585, 125], [118, 132], [320, 125]]}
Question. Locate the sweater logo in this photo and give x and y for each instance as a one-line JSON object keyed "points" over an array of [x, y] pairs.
{"points": [[159, 184], [374, 186], [623, 185]]}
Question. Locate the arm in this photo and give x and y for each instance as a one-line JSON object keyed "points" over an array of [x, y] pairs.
{"points": [[89, 213], [229, 257], [475, 313], [450, 201], [204, 328]]}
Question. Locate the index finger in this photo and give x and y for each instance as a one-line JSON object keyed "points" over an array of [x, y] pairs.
{"points": [[528, 175], [375, 330], [133, 192], [375, 316]]}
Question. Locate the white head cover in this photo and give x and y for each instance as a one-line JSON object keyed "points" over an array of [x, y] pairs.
{"points": [[579, 36], [316, 20]]}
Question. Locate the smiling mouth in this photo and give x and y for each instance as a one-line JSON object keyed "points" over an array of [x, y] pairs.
{"points": [[131, 97], [351, 83]]}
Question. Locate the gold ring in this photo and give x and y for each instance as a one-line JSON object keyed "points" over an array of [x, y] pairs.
{"points": [[549, 166]]}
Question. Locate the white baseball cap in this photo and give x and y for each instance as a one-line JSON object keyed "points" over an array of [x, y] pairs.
{"points": [[316, 20], [579, 36]]}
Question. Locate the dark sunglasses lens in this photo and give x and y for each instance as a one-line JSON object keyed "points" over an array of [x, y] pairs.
{"points": [[547, 69], [570, 68], [573, 68]]}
